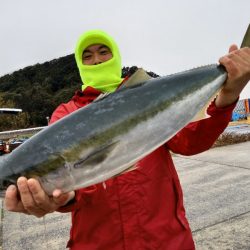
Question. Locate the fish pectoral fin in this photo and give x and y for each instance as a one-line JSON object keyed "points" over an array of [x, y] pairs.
{"points": [[96, 156]]}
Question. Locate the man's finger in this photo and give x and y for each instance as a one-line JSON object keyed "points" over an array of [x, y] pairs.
{"points": [[233, 47], [41, 199], [27, 198], [11, 201], [62, 199]]}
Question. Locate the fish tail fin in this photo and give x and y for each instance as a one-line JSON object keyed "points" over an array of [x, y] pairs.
{"points": [[246, 39]]}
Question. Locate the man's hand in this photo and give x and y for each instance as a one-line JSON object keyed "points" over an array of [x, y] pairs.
{"points": [[237, 64], [32, 199]]}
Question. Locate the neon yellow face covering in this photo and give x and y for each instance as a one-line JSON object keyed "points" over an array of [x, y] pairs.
{"points": [[106, 76]]}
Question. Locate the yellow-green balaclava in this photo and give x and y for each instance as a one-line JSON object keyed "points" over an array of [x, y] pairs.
{"points": [[106, 76]]}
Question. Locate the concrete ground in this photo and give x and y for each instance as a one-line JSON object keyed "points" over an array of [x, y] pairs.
{"points": [[216, 188]]}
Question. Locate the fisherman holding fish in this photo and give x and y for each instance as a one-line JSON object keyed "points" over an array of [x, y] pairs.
{"points": [[143, 207]]}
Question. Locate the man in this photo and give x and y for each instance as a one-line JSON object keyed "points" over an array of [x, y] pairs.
{"points": [[142, 208]]}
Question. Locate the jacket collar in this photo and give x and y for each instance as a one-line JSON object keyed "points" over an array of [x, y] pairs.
{"points": [[88, 95]]}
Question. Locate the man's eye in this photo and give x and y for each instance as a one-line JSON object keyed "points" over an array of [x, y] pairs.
{"points": [[104, 52], [86, 57]]}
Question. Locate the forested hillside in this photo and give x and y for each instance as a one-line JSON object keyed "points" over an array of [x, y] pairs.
{"points": [[38, 90]]}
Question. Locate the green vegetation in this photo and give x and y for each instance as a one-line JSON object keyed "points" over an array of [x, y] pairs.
{"points": [[37, 90]]}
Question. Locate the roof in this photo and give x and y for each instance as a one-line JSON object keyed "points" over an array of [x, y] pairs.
{"points": [[9, 111]]}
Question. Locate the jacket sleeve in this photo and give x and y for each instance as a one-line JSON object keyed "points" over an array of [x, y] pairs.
{"points": [[199, 136], [58, 113]]}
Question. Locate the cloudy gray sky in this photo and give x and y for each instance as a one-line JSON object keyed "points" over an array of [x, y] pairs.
{"points": [[159, 35]]}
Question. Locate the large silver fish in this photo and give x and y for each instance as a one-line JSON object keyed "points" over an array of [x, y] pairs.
{"points": [[108, 136]]}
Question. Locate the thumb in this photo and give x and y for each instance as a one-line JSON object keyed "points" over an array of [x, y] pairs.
{"points": [[233, 47], [62, 198]]}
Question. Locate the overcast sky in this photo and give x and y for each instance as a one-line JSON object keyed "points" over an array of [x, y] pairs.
{"points": [[159, 35]]}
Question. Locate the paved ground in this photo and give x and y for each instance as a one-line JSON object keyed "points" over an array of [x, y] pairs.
{"points": [[216, 188]]}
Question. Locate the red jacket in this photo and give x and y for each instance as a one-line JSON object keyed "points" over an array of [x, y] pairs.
{"points": [[141, 209]]}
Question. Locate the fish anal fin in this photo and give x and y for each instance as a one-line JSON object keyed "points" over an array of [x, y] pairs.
{"points": [[202, 114]]}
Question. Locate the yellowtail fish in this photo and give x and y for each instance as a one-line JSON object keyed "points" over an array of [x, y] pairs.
{"points": [[110, 135]]}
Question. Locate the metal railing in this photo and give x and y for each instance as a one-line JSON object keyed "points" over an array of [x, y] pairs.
{"points": [[14, 133]]}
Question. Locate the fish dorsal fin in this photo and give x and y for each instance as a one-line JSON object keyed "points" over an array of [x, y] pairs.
{"points": [[139, 76], [101, 96]]}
